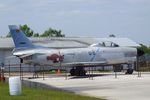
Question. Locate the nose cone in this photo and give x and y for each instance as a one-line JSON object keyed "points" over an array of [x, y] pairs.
{"points": [[140, 52]]}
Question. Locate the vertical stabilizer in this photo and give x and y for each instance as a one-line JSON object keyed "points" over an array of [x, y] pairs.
{"points": [[19, 38]]}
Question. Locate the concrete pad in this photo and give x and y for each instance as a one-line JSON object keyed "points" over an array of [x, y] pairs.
{"points": [[124, 87]]}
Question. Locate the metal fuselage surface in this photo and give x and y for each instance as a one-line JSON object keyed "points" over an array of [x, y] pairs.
{"points": [[80, 56]]}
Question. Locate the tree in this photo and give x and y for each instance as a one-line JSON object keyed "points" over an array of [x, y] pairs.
{"points": [[145, 48], [52, 33], [8, 35], [48, 33], [26, 29], [36, 35]]}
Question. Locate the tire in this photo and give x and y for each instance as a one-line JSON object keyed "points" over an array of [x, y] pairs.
{"points": [[129, 71], [72, 72]]}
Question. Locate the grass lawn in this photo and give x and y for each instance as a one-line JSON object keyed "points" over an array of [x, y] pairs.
{"points": [[40, 94]]}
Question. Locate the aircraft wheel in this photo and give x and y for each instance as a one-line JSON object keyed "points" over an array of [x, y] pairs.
{"points": [[129, 71], [72, 72], [78, 71]]}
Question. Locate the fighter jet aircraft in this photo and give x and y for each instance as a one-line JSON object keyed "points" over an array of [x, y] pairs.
{"points": [[77, 58]]}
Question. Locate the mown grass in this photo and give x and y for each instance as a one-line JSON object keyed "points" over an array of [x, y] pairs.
{"points": [[40, 94]]}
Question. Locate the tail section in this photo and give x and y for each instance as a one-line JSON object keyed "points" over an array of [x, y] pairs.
{"points": [[19, 38]]}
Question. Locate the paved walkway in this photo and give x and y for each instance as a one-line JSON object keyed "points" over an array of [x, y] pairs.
{"points": [[124, 87]]}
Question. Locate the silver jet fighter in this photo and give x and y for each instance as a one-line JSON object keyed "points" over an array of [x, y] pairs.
{"points": [[78, 58]]}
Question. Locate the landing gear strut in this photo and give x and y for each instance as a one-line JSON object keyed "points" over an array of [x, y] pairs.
{"points": [[129, 70], [77, 71]]}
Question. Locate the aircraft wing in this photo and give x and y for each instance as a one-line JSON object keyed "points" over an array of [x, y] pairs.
{"points": [[84, 63], [28, 52], [26, 55], [22, 54]]}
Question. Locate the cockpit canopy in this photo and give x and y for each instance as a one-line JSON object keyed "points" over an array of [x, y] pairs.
{"points": [[105, 44]]}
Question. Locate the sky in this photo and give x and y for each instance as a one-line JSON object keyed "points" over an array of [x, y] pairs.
{"points": [[80, 18]]}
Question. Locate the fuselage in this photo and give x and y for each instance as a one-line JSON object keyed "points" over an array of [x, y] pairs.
{"points": [[92, 55], [105, 55]]}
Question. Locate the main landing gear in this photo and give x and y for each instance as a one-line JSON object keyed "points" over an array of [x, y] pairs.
{"points": [[129, 71], [78, 71]]}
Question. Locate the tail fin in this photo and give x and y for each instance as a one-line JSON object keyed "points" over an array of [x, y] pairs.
{"points": [[19, 38]]}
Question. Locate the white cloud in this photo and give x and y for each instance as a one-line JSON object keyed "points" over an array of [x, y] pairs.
{"points": [[76, 13], [42, 3], [2, 6], [112, 16]]}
